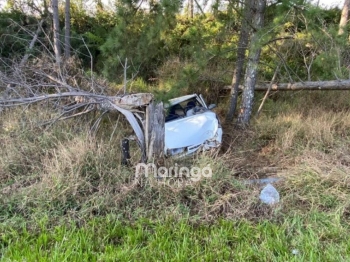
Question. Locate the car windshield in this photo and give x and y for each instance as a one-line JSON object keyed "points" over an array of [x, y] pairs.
{"points": [[181, 110]]}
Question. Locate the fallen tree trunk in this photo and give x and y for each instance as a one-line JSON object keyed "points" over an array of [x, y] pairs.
{"points": [[307, 85], [128, 102]]}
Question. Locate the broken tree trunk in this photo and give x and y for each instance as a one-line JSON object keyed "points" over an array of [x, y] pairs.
{"points": [[155, 132]]}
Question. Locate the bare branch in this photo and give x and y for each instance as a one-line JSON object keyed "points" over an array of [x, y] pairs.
{"points": [[32, 43]]}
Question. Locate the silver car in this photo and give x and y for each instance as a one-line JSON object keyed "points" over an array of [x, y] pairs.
{"points": [[190, 126]]}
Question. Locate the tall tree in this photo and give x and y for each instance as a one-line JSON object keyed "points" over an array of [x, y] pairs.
{"points": [[257, 10], [241, 51], [67, 30], [191, 7], [344, 16], [56, 31]]}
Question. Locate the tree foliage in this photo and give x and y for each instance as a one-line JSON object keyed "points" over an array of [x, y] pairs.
{"points": [[14, 40], [176, 52], [140, 36]]}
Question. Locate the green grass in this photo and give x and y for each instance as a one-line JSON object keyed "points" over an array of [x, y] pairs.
{"points": [[107, 239]]}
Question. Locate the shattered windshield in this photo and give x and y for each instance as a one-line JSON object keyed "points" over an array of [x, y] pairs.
{"points": [[183, 109]]}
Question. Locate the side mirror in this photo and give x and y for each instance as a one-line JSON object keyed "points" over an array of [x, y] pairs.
{"points": [[212, 106]]}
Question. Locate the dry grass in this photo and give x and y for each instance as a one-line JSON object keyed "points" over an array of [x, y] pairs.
{"points": [[316, 129], [303, 141], [62, 172], [319, 181]]}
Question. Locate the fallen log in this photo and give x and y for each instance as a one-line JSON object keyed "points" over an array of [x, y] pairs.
{"points": [[307, 85], [128, 102]]}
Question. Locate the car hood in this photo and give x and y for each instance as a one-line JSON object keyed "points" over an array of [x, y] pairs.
{"points": [[192, 130]]}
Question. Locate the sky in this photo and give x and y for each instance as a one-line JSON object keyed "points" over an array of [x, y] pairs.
{"points": [[330, 3]]}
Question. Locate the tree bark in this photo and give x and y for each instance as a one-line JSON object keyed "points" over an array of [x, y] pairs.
{"points": [[56, 31], [191, 6], [67, 30], [344, 17], [258, 9], [241, 50], [155, 132]]}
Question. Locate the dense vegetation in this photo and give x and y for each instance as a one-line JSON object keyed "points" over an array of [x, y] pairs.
{"points": [[65, 196], [168, 49]]}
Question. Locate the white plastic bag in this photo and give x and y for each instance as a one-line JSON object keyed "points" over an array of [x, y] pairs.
{"points": [[269, 195]]}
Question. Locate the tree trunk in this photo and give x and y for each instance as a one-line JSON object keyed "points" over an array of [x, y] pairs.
{"points": [[241, 50], [67, 30], [258, 9], [191, 8], [344, 17], [56, 31], [155, 132]]}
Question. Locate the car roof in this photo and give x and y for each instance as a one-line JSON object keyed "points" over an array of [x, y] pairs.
{"points": [[179, 100]]}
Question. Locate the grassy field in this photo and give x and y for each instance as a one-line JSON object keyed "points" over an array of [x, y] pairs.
{"points": [[107, 239], [65, 197]]}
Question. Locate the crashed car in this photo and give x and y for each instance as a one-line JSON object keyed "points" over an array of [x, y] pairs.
{"points": [[190, 126]]}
